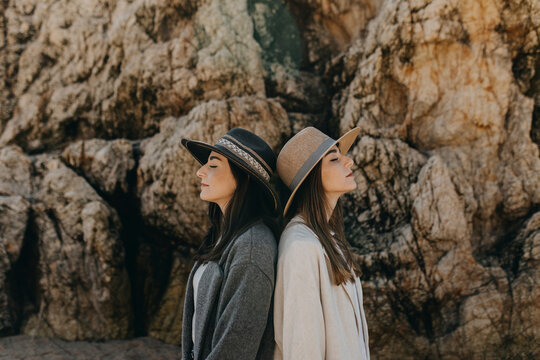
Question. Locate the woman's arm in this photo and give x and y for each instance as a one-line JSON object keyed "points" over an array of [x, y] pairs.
{"points": [[298, 313]]}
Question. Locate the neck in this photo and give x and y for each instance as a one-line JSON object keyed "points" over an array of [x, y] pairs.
{"points": [[223, 206]]}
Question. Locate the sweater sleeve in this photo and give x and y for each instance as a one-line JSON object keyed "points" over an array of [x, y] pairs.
{"points": [[242, 314], [298, 313]]}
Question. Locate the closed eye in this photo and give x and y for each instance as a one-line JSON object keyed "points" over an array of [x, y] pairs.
{"points": [[336, 159]]}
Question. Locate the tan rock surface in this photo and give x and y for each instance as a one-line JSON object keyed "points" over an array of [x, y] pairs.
{"points": [[105, 164], [15, 187], [26, 347], [526, 285], [166, 320], [96, 68], [83, 289], [13, 219], [73, 262]]}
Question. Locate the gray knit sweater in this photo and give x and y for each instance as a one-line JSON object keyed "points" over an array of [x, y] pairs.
{"points": [[234, 301]]}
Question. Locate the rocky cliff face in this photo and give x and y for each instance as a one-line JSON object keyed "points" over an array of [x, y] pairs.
{"points": [[99, 213]]}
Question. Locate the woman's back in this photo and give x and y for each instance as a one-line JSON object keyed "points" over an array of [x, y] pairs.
{"points": [[313, 317]]}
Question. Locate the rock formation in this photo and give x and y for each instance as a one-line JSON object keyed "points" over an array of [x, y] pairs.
{"points": [[99, 207], [71, 270], [440, 76]]}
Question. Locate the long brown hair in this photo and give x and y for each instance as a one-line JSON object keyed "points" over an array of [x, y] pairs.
{"points": [[248, 205], [311, 204]]}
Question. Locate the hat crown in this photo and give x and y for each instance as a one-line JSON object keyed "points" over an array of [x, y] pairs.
{"points": [[253, 145], [297, 151]]}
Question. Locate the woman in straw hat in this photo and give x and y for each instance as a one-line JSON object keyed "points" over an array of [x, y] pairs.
{"points": [[229, 290], [318, 311]]}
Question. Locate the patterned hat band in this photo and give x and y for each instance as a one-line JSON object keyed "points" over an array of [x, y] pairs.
{"points": [[254, 164]]}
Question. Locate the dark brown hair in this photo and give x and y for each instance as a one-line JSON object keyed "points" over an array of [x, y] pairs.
{"points": [[248, 205], [311, 204]]}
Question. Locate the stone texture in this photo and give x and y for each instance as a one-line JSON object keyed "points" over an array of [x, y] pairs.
{"points": [[166, 322], [15, 188], [112, 69], [15, 172], [525, 287], [82, 286], [329, 26], [13, 222], [104, 164], [384, 170], [34, 348]]}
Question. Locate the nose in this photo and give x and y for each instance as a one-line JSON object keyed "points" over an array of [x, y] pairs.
{"points": [[202, 171], [348, 162]]}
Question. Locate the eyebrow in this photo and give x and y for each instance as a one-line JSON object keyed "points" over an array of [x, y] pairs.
{"points": [[213, 158], [331, 152]]}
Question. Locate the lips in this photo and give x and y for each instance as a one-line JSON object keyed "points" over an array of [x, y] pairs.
{"points": [[350, 174], [203, 185]]}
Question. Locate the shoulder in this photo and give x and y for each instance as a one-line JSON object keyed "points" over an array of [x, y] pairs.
{"points": [[299, 241], [297, 231], [255, 245], [258, 238]]}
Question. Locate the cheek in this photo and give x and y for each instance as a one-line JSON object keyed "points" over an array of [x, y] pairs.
{"points": [[334, 179], [224, 184], [328, 178], [231, 187]]}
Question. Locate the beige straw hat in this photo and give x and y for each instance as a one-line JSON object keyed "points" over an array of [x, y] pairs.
{"points": [[303, 151]]}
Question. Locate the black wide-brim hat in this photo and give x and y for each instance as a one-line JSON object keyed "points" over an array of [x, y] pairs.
{"points": [[246, 150]]}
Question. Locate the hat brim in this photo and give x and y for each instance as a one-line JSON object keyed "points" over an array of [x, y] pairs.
{"points": [[201, 151], [345, 142]]}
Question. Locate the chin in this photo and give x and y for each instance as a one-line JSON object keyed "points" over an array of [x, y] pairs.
{"points": [[203, 196], [352, 184]]}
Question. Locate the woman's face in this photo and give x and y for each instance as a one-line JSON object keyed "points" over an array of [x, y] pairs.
{"points": [[337, 177], [217, 180]]}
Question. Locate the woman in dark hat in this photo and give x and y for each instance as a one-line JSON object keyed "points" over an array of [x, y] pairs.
{"points": [[229, 291], [318, 310]]}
